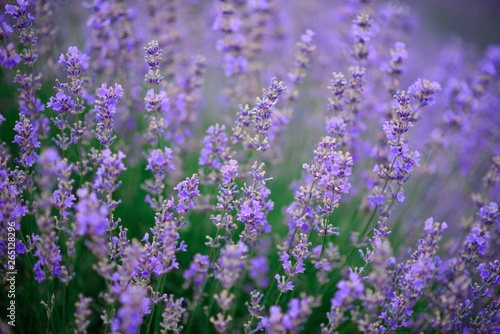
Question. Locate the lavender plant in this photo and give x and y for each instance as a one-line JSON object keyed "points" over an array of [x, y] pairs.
{"points": [[158, 176]]}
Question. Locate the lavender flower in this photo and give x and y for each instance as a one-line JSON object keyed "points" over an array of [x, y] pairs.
{"points": [[109, 171], [362, 32], [229, 172], [8, 56], [165, 242], [24, 23], [395, 68], [27, 141], [60, 212], [221, 323], [259, 268], [63, 198], [263, 112], [215, 152], [29, 104], [486, 321], [489, 214], [134, 305], [299, 309], [283, 284], [228, 23], [188, 190], [91, 215], [197, 273], [403, 160], [76, 64], [153, 57], [48, 265], [424, 91], [158, 105], [477, 242], [331, 171], [159, 163], [413, 278], [254, 308], [172, 315], [261, 120], [229, 264], [305, 48], [82, 313], [105, 111]]}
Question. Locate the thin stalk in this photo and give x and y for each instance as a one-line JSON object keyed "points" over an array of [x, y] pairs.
{"points": [[395, 320], [468, 305], [288, 278], [309, 194], [64, 307], [212, 300]]}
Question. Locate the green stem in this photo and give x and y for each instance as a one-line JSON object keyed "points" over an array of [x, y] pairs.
{"points": [[212, 300], [309, 194], [468, 305], [64, 307], [395, 320], [288, 278], [153, 307]]}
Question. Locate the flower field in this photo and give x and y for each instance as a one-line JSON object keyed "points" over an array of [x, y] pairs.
{"points": [[248, 166]]}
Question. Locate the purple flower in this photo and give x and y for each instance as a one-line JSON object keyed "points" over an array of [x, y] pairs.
{"points": [[109, 171], [156, 103], [231, 44], [361, 28], [489, 214], [222, 323], [301, 63], [375, 200], [10, 9], [8, 56], [153, 57], [215, 152], [48, 265], [24, 19], [336, 127], [414, 276], [283, 284], [476, 241], [160, 163], [76, 62], [62, 197], [403, 160], [172, 316], [229, 265], [492, 276], [399, 52], [259, 268], [229, 172], [105, 112], [197, 273], [263, 109], [82, 313], [61, 103], [27, 140], [91, 214], [188, 190], [348, 291], [423, 91], [234, 66], [299, 309], [134, 305]]}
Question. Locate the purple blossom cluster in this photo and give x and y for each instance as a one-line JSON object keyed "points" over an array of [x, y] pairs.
{"points": [[199, 194]]}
